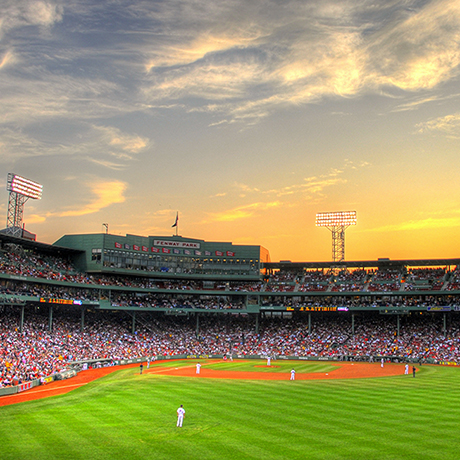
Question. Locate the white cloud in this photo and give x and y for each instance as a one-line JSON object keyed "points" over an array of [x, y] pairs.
{"points": [[238, 60], [122, 141], [97, 144], [18, 13], [449, 124], [304, 54], [43, 13], [420, 52]]}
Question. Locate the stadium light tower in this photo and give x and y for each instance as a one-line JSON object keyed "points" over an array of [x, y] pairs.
{"points": [[337, 222], [21, 189]]}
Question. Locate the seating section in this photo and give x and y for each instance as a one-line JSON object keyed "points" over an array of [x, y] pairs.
{"points": [[37, 352], [30, 281]]}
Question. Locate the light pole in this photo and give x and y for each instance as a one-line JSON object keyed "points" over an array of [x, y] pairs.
{"points": [[21, 189], [337, 222]]}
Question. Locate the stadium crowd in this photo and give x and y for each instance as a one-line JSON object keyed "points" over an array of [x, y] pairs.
{"points": [[56, 269], [13, 290], [37, 351]]}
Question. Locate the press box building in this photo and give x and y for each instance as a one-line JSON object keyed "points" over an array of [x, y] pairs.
{"points": [[168, 257]]}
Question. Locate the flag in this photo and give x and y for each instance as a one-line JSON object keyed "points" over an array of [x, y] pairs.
{"points": [[177, 220]]}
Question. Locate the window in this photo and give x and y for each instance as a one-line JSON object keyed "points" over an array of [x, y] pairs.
{"points": [[96, 255]]}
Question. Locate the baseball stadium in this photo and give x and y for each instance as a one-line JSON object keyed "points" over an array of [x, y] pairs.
{"points": [[166, 346], [101, 336]]}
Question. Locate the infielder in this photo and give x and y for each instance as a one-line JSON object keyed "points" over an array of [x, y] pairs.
{"points": [[180, 415], [198, 367], [406, 369], [292, 375], [269, 360]]}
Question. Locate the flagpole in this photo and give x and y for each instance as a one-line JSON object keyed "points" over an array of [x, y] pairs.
{"points": [[176, 223]]}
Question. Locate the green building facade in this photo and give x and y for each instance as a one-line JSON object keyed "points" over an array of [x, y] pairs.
{"points": [[168, 257]]}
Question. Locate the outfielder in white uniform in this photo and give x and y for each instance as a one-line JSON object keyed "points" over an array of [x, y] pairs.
{"points": [[180, 415], [198, 367], [406, 369], [292, 375]]}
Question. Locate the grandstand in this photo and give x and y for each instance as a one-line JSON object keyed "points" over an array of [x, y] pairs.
{"points": [[101, 297]]}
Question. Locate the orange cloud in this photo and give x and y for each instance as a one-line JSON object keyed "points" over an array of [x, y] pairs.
{"points": [[105, 194]]}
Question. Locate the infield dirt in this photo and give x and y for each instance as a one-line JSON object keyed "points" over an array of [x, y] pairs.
{"points": [[344, 370]]}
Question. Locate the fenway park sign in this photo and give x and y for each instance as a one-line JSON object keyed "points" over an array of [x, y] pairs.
{"points": [[176, 244], [174, 247]]}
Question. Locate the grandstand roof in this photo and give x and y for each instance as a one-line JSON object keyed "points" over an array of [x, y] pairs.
{"points": [[383, 264], [42, 247]]}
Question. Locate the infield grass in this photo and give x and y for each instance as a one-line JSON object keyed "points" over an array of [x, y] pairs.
{"points": [[126, 415]]}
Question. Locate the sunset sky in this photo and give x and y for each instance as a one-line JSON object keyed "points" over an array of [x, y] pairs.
{"points": [[247, 117]]}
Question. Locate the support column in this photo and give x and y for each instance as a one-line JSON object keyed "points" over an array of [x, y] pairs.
{"points": [[21, 322], [82, 320], [50, 319], [445, 325], [133, 328], [353, 324], [397, 323], [257, 324], [309, 323], [197, 331]]}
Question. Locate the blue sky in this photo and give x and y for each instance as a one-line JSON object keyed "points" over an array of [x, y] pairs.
{"points": [[247, 118]]}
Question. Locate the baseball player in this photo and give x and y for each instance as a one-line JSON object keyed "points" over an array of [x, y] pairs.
{"points": [[292, 375], [198, 368], [180, 415]]}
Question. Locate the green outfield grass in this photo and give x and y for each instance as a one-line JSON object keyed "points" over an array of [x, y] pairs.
{"points": [[130, 416], [256, 365]]}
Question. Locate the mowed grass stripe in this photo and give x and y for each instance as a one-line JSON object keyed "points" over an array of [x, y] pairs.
{"points": [[42, 433], [379, 412], [278, 366], [127, 415], [250, 365]]}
